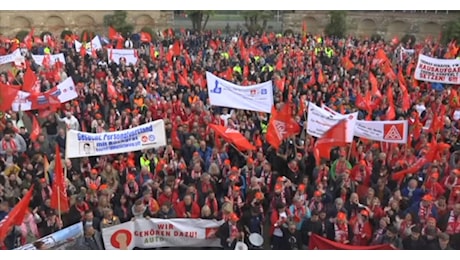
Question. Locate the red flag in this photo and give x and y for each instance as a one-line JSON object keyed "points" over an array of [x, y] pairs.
{"points": [[281, 126], [29, 80], [175, 141], [146, 37], [16, 215], [113, 34], [176, 48], [391, 112], [36, 129], [111, 91], [59, 199], [321, 243], [335, 136], [7, 96], [232, 136]]}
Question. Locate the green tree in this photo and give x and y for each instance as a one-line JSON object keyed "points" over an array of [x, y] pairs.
{"points": [[64, 33], [199, 19], [337, 24], [252, 20], [21, 35], [117, 20], [451, 31]]}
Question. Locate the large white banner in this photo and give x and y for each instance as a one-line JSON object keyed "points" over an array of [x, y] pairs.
{"points": [[65, 92], [226, 94], [53, 58], [95, 42], [383, 131], [4, 59], [438, 70], [319, 121], [116, 54], [146, 136], [155, 233]]}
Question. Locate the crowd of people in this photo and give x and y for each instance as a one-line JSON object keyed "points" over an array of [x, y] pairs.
{"points": [[199, 176]]}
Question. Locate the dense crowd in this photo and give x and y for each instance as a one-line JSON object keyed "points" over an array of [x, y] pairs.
{"points": [[200, 176]]}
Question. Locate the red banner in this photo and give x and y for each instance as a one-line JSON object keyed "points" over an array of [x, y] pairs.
{"points": [[321, 243]]}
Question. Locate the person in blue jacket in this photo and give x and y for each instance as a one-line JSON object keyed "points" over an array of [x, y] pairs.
{"points": [[424, 209], [412, 193]]}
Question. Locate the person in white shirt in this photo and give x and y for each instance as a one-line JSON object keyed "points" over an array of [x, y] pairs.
{"points": [[420, 107], [70, 121], [225, 116]]}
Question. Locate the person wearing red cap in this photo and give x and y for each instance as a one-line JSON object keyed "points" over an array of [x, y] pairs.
{"points": [[424, 210], [452, 184], [362, 229], [230, 232], [316, 203], [432, 186], [340, 231], [93, 178], [131, 188]]}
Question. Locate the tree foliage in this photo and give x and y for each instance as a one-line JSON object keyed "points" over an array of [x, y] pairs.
{"points": [[451, 31], [337, 25], [117, 20], [64, 33], [199, 19], [256, 21], [21, 35]]}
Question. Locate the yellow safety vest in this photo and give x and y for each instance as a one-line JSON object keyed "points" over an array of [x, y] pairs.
{"points": [[145, 163]]}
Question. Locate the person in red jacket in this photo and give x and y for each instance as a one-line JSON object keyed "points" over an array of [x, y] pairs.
{"points": [[432, 185], [187, 208], [168, 196], [362, 229]]}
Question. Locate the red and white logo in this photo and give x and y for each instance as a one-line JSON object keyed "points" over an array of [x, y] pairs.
{"points": [[393, 132]]}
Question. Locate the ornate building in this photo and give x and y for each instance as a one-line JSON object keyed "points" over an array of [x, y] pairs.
{"points": [[366, 23], [12, 22]]}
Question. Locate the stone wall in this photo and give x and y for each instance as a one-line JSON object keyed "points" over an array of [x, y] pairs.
{"points": [[12, 22], [365, 23]]}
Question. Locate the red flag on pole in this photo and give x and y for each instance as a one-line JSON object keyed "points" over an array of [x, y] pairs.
{"points": [[16, 215], [59, 199], [36, 129]]}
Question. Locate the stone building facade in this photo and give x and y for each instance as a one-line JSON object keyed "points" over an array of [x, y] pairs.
{"points": [[12, 22], [365, 23]]}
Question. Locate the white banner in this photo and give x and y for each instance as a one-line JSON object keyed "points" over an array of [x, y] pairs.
{"points": [[226, 94], [95, 42], [15, 55], [146, 136], [383, 131], [65, 92], [116, 54], [53, 58], [155, 233], [319, 121], [438, 70]]}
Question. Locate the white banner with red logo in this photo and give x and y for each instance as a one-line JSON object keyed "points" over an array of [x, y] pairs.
{"points": [[383, 131], [156, 233], [146, 136], [446, 71], [129, 55], [226, 94], [319, 121], [65, 91], [52, 58]]}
